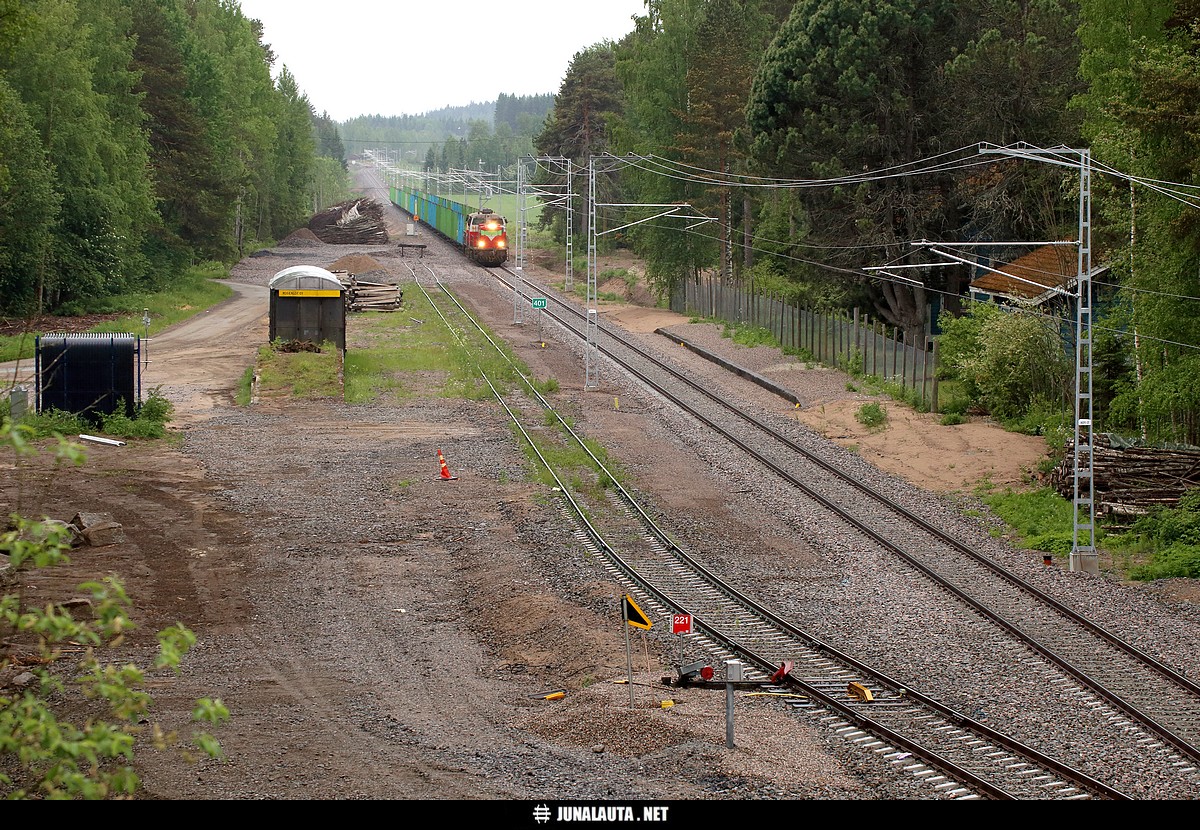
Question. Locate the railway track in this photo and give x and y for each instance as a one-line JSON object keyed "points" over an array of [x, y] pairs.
{"points": [[956, 756], [1152, 704]]}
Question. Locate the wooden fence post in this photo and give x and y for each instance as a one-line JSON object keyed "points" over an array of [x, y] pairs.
{"points": [[892, 374], [856, 347], [933, 398]]}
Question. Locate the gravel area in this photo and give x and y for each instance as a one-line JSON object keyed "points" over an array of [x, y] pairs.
{"points": [[379, 633]]}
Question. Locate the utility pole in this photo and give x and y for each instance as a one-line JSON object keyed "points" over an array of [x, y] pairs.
{"points": [[518, 306], [1084, 557], [591, 351]]}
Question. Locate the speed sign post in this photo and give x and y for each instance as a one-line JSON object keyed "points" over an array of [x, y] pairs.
{"points": [[681, 624], [539, 303]]}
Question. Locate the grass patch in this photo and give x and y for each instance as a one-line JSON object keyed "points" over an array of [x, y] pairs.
{"points": [[245, 387], [567, 457], [872, 416], [302, 373], [196, 290], [746, 335], [1041, 520], [374, 373]]}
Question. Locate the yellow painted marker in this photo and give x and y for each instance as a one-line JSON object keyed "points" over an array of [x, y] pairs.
{"points": [[616, 404]]}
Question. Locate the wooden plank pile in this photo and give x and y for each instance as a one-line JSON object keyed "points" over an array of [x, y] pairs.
{"points": [[354, 222], [1131, 481], [366, 295]]}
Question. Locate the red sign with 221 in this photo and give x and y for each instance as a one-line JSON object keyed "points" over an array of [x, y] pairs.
{"points": [[681, 623]]}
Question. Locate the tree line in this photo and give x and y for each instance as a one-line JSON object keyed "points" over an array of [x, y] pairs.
{"points": [[141, 136], [822, 138], [818, 138], [490, 135]]}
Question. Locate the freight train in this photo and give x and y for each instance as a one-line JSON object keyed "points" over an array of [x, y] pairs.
{"points": [[482, 233]]}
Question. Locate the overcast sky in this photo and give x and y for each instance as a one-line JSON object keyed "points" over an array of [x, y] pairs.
{"points": [[395, 57]]}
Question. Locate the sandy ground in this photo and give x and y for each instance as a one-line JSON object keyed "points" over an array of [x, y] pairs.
{"points": [[913, 445]]}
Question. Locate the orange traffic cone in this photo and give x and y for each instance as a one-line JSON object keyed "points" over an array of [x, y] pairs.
{"points": [[445, 469]]}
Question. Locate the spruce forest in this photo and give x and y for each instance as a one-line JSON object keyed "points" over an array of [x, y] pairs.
{"points": [[822, 137]]}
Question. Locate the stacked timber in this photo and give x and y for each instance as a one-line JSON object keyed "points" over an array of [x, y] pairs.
{"points": [[368, 295], [1131, 481], [355, 222]]}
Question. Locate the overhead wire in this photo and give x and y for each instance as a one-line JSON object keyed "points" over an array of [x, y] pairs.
{"points": [[784, 182], [1015, 309], [736, 180], [951, 161]]}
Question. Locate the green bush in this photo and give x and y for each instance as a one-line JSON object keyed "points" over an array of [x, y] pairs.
{"points": [[1011, 364], [1173, 536], [149, 420], [52, 421], [1175, 560], [43, 755], [871, 415], [952, 419], [954, 405]]}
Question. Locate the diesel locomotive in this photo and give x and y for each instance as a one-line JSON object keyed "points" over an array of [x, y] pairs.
{"points": [[485, 238]]}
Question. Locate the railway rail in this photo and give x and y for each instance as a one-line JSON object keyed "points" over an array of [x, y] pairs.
{"points": [[955, 755], [1152, 704], [1148, 705]]}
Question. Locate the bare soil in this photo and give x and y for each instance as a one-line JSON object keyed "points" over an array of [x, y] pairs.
{"points": [[381, 633]]}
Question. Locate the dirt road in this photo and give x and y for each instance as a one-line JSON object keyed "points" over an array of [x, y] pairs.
{"points": [[198, 364]]}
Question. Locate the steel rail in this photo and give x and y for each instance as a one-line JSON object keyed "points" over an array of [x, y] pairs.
{"points": [[876, 727], [1163, 731]]}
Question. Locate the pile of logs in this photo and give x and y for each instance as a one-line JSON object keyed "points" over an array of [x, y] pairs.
{"points": [[1131, 481], [364, 295], [356, 222]]}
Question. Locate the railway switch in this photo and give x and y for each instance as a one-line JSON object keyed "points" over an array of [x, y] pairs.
{"points": [[699, 670]]}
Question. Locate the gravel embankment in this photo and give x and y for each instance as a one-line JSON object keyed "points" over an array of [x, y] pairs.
{"points": [[501, 603]]}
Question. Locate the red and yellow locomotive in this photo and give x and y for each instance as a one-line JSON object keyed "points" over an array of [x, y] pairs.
{"points": [[484, 237]]}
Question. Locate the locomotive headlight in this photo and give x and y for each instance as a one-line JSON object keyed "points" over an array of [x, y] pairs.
{"points": [[481, 243], [500, 243], [491, 226]]}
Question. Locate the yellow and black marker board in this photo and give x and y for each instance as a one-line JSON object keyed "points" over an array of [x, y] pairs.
{"points": [[634, 615]]}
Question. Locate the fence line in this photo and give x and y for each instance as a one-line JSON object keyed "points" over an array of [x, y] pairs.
{"points": [[843, 340]]}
